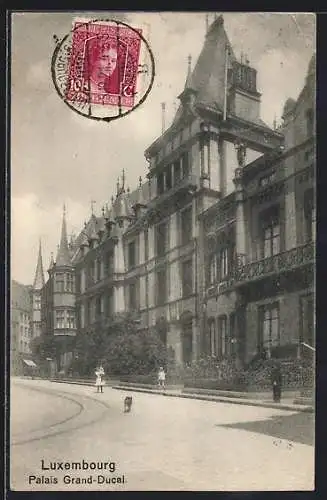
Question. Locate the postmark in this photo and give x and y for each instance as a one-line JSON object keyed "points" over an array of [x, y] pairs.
{"points": [[103, 69]]}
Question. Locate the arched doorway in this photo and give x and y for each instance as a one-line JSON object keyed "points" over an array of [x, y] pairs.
{"points": [[187, 336]]}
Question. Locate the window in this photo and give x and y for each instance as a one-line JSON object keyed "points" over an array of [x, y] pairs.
{"points": [[60, 319], [160, 183], [98, 307], [212, 269], [146, 245], [109, 303], [177, 172], [187, 277], [131, 254], [212, 337], [185, 164], [186, 225], [222, 335], [92, 272], [309, 217], [161, 237], [59, 282], [82, 316], [310, 122], [161, 287], [37, 302], [269, 327], [109, 263], [223, 257], [271, 235], [132, 297], [70, 283], [71, 323], [169, 180], [98, 264]]}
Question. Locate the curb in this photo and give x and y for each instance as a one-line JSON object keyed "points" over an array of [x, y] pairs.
{"points": [[238, 401], [218, 399]]}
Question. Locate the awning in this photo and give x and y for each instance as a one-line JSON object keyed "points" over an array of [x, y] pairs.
{"points": [[28, 362]]}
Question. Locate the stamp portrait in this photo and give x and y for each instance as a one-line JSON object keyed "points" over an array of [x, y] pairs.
{"points": [[104, 64]]}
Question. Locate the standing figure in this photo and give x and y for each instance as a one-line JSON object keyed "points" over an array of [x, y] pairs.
{"points": [[99, 382], [161, 377], [276, 380]]}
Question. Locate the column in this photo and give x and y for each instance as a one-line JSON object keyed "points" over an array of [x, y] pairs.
{"points": [[214, 166], [204, 158], [240, 216], [290, 215], [151, 289], [119, 299], [151, 241], [142, 292], [141, 247], [195, 339], [173, 230], [119, 265]]}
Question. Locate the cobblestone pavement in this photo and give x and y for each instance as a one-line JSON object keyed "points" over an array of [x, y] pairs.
{"points": [[163, 444]]}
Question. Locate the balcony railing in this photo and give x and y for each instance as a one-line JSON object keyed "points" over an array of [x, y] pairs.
{"points": [[285, 261], [276, 264], [187, 182]]}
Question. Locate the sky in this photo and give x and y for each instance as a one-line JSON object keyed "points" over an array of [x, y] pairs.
{"points": [[58, 157]]}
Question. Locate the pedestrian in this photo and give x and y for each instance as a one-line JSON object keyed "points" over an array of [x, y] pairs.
{"points": [[161, 378], [276, 380], [99, 381]]}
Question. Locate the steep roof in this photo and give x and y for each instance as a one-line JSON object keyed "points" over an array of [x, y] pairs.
{"points": [[39, 274], [207, 77], [63, 254]]}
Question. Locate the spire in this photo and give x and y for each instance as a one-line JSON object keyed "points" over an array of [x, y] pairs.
{"points": [[39, 275], [123, 182], [63, 255], [51, 262], [189, 85]]}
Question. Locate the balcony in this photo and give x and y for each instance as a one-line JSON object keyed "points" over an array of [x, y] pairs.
{"points": [[277, 264], [187, 184], [282, 262]]}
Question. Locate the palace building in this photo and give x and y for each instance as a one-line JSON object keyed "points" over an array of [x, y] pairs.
{"points": [[216, 248]]}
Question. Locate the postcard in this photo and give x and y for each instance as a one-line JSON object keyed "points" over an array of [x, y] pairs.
{"points": [[163, 229]]}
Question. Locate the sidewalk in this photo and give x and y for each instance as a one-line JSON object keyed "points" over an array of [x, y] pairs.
{"points": [[255, 399]]}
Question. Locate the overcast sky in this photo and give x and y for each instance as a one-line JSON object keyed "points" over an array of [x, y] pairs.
{"points": [[58, 157]]}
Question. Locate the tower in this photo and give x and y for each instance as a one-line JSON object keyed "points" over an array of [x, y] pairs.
{"points": [[36, 291], [64, 320]]}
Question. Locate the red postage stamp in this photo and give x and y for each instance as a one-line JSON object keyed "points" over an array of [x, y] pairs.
{"points": [[104, 63]]}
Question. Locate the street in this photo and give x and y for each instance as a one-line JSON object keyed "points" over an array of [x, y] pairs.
{"points": [[165, 443]]}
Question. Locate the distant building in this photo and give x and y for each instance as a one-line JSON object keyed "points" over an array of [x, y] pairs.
{"points": [[21, 332], [216, 248]]}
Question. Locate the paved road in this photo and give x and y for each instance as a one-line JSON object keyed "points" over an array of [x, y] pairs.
{"points": [[163, 444]]}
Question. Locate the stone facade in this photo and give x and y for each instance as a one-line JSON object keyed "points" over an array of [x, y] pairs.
{"points": [[214, 240]]}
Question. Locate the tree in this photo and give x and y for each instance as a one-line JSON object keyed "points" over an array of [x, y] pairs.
{"points": [[134, 352], [43, 347]]}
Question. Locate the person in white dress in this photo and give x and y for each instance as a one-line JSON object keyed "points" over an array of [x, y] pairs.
{"points": [[99, 381], [161, 377]]}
